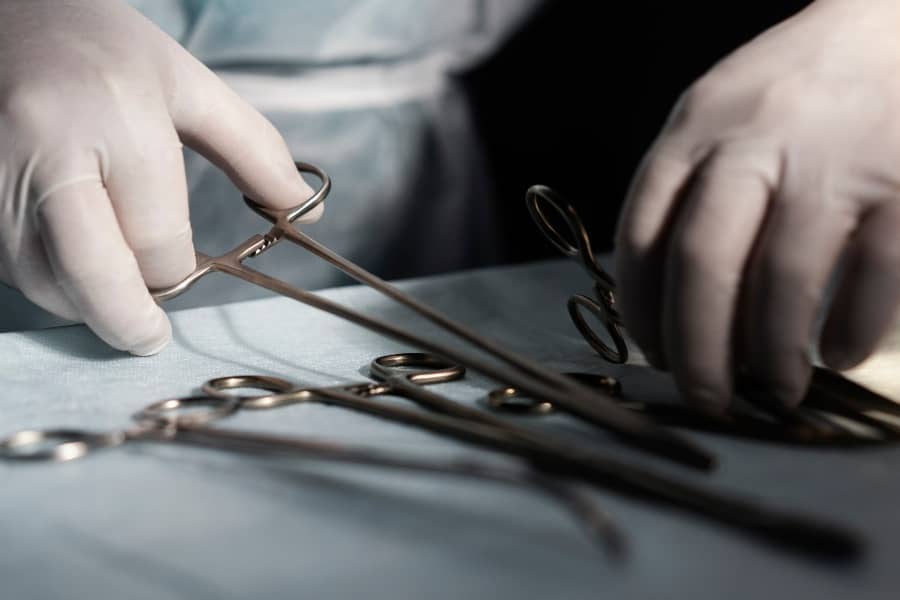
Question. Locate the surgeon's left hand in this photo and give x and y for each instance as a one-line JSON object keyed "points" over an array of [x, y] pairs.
{"points": [[783, 158]]}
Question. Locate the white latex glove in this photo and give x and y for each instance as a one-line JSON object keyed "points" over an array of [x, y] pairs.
{"points": [[94, 104], [782, 158]]}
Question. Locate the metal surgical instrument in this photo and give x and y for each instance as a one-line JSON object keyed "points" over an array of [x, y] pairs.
{"points": [[187, 421], [523, 373], [405, 374], [830, 395], [835, 412], [604, 306]]}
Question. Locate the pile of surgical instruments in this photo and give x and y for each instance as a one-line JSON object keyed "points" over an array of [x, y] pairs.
{"points": [[545, 462], [835, 411]]}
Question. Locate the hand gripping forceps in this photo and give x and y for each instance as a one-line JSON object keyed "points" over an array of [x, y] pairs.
{"points": [[520, 372]]}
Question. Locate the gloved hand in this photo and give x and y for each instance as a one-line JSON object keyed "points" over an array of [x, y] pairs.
{"points": [[781, 161], [94, 104]]}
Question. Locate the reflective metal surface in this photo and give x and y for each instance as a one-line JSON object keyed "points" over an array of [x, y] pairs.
{"points": [[577, 245], [836, 410], [520, 372], [548, 463]]}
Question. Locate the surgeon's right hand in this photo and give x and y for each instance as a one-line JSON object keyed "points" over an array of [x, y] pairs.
{"points": [[95, 102]]}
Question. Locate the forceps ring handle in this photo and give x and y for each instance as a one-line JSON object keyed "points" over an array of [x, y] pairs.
{"points": [[618, 352], [283, 392], [540, 195], [257, 244], [56, 445], [434, 369], [292, 214], [173, 413], [511, 400]]}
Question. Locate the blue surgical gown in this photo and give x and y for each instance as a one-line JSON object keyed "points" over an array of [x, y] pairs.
{"points": [[366, 89]]}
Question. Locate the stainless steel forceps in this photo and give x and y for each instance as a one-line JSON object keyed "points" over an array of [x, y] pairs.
{"points": [[406, 374], [523, 373], [835, 412], [579, 247], [189, 421], [830, 395]]}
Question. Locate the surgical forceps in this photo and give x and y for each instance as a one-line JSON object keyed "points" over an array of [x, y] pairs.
{"points": [[521, 372], [405, 375], [604, 307], [835, 412], [188, 421]]}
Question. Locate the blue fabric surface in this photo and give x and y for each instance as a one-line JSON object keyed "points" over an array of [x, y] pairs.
{"points": [[317, 33], [157, 521]]}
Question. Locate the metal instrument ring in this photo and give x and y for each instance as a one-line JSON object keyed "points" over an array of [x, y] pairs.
{"points": [[294, 213], [165, 412], [67, 444], [508, 399], [283, 391], [435, 368], [579, 246], [617, 355]]}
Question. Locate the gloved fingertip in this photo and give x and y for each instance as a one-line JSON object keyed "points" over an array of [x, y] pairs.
{"points": [[290, 189], [838, 358], [314, 215], [159, 336], [304, 189]]}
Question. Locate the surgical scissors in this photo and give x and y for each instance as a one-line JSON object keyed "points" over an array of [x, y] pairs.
{"points": [[521, 372], [188, 421]]}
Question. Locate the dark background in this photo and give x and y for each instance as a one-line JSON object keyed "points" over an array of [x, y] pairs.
{"points": [[574, 99]]}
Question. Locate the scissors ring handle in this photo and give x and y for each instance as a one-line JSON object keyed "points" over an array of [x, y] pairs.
{"points": [[509, 399], [617, 353], [192, 411], [579, 243], [283, 391], [433, 368], [289, 215], [56, 445]]}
